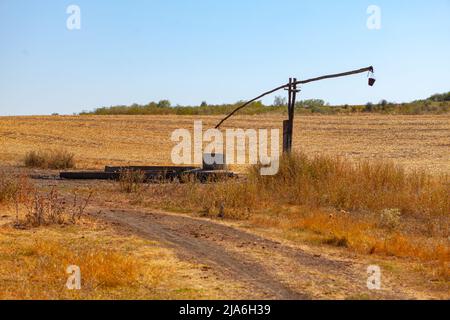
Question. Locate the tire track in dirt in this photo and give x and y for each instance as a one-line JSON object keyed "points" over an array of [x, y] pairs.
{"points": [[174, 231], [212, 244]]}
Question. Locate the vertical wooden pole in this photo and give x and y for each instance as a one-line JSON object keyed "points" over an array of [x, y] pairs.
{"points": [[287, 124], [285, 136], [292, 113]]}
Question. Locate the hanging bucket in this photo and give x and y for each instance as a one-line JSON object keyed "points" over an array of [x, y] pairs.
{"points": [[372, 79]]}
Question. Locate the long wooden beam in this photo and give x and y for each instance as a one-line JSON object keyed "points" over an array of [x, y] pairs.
{"points": [[249, 102], [330, 76], [337, 75]]}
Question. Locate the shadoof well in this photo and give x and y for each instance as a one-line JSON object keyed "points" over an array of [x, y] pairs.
{"points": [[291, 87], [217, 171]]}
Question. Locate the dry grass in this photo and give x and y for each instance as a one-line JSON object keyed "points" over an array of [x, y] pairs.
{"points": [[50, 159], [363, 234], [131, 181], [34, 264], [34, 207], [8, 188], [47, 208], [370, 207], [323, 181], [113, 266], [33, 261], [105, 268], [39, 268]]}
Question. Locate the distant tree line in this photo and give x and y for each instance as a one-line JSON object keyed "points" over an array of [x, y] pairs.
{"points": [[438, 103], [440, 97]]}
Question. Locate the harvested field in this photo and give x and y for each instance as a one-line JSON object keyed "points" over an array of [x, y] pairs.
{"points": [[416, 142]]}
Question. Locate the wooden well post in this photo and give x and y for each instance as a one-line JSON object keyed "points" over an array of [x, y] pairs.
{"points": [[288, 125]]}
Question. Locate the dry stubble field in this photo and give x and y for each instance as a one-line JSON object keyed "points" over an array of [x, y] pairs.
{"points": [[416, 142]]}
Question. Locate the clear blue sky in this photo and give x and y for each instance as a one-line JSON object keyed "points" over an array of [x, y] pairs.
{"points": [[218, 51]]}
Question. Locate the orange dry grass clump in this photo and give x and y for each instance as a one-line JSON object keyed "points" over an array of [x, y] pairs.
{"points": [[50, 159], [40, 269], [99, 267], [364, 236], [9, 187]]}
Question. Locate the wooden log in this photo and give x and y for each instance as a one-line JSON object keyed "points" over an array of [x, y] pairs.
{"points": [[90, 175], [149, 168], [197, 174], [101, 175]]}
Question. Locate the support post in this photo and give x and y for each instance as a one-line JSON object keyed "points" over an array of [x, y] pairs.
{"points": [[286, 136], [288, 125], [292, 113]]}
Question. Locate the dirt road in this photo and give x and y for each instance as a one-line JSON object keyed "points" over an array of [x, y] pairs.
{"points": [[267, 268]]}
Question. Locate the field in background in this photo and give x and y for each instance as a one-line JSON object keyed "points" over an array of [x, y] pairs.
{"points": [[416, 142]]}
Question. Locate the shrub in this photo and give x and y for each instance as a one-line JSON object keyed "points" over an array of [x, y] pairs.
{"points": [[50, 159], [50, 208], [440, 97], [131, 181], [8, 188], [14, 189], [390, 218], [41, 208]]}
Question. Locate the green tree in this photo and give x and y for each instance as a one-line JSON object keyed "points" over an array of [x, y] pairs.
{"points": [[279, 101], [164, 104], [368, 107], [440, 97], [310, 103]]}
